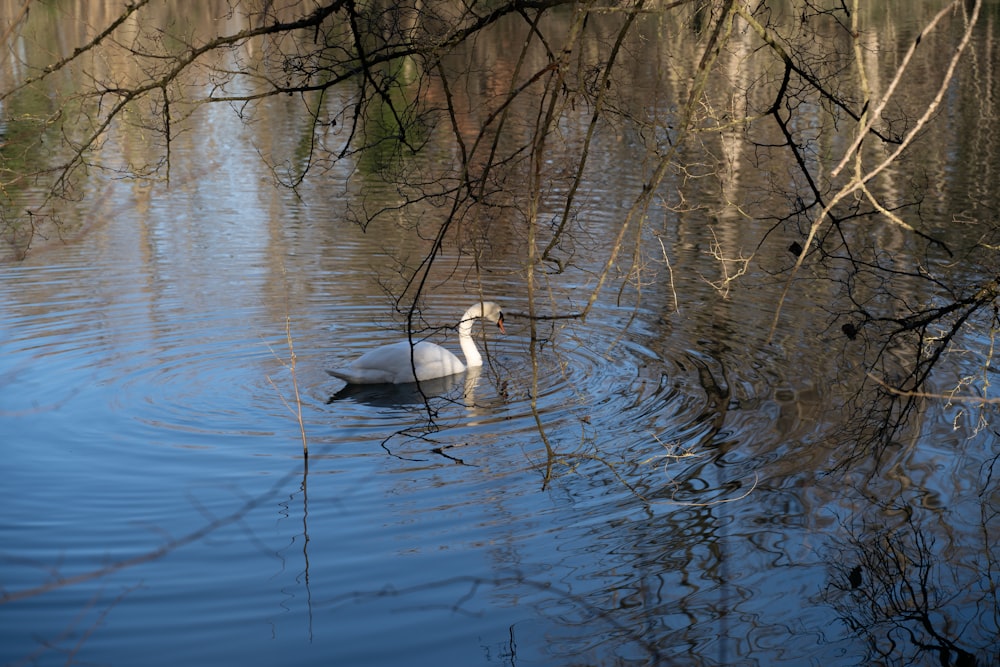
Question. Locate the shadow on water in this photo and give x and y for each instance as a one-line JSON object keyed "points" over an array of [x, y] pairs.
{"points": [[396, 395]]}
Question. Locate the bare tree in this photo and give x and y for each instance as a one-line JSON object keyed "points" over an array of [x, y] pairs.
{"points": [[790, 89]]}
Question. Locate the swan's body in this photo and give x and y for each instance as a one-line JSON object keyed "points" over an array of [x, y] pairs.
{"points": [[391, 364], [395, 363]]}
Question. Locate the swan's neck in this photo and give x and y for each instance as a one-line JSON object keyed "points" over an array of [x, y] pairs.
{"points": [[472, 357]]}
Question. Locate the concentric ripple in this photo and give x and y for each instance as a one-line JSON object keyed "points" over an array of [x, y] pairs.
{"points": [[177, 375], [580, 391]]}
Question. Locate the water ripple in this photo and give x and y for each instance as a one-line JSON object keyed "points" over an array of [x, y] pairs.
{"points": [[586, 393]]}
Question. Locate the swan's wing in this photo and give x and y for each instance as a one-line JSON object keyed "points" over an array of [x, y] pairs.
{"points": [[433, 361], [378, 366], [353, 375], [392, 364]]}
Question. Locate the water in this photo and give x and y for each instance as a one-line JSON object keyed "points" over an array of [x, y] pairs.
{"points": [[655, 484], [155, 480]]}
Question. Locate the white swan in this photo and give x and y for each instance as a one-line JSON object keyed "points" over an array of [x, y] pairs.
{"points": [[395, 363]]}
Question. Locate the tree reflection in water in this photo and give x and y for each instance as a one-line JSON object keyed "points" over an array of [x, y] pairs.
{"points": [[701, 171], [901, 592]]}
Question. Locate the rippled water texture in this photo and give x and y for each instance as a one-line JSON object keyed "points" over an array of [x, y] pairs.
{"points": [[150, 452], [654, 484]]}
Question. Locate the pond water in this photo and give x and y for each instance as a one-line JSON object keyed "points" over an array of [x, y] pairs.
{"points": [[653, 484]]}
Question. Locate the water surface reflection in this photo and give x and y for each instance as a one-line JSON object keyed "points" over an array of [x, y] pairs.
{"points": [[656, 483]]}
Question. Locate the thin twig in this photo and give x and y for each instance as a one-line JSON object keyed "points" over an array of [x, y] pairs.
{"points": [[860, 179], [951, 398], [290, 365]]}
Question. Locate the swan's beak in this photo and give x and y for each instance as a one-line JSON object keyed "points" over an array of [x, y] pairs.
{"points": [[500, 324]]}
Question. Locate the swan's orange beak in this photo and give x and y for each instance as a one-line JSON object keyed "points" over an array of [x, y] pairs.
{"points": [[500, 324]]}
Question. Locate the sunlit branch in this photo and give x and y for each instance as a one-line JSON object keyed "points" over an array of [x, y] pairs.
{"points": [[595, 117], [544, 124], [859, 180], [130, 9], [949, 398], [870, 116], [747, 15], [637, 211]]}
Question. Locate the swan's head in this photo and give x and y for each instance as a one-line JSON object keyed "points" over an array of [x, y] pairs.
{"points": [[492, 313], [489, 311]]}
